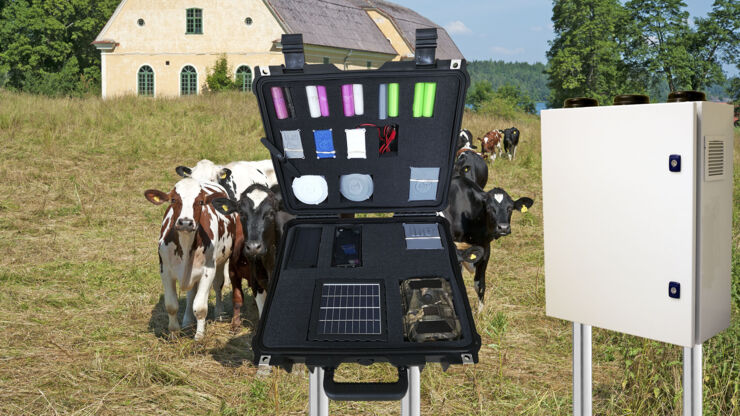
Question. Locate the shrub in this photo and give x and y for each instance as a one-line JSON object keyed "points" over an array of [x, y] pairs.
{"points": [[218, 78]]}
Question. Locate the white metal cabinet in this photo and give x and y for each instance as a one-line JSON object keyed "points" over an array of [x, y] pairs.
{"points": [[620, 226]]}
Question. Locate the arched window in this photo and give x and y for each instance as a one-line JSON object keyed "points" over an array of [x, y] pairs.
{"points": [[146, 81], [244, 78], [188, 81]]}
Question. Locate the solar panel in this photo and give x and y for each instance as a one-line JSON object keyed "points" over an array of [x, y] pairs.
{"points": [[350, 309]]}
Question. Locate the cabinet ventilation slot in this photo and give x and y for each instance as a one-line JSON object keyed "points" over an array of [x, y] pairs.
{"points": [[714, 159]]}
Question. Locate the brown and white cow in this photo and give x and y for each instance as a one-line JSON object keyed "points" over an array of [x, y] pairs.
{"points": [[491, 144], [195, 243]]}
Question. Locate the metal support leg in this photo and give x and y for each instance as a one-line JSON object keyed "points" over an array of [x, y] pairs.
{"points": [[582, 382], [318, 403], [692, 381], [411, 402]]}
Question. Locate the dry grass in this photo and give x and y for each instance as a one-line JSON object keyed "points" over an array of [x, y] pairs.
{"points": [[81, 317]]}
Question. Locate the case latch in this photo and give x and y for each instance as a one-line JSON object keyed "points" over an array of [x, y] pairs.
{"points": [[426, 46], [293, 52]]}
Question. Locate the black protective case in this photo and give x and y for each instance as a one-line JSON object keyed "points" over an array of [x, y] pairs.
{"points": [[287, 330]]}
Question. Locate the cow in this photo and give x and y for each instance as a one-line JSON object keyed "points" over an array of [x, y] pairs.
{"points": [[465, 140], [262, 226], [195, 243], [472, 166], [477, 217], [511, 140], [207, 171], [491, 144]]}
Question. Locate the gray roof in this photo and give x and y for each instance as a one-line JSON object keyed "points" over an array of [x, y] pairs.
{"points": [[346, 24]]}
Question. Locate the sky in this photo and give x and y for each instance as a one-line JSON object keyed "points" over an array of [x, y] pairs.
{"points": [[505, 30]]}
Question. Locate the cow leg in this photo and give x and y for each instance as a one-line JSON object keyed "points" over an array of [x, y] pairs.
{"points": [[170, 301], [237, 298], [200, 303], [514, 155], [218, 285], [188, 319], [480, 275]]}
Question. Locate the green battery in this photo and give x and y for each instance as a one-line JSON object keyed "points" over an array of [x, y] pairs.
{"points": [[393, 100], [430, 90], [419, 99]]}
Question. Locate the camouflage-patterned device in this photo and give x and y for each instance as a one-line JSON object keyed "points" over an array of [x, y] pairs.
{"points": [[428, 311]]}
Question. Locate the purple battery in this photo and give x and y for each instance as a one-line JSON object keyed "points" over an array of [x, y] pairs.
{"points": [[279, 101], [323, 101], [348, 100]]}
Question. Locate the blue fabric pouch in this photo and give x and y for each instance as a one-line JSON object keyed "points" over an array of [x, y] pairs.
{"points": [[324, 144]]}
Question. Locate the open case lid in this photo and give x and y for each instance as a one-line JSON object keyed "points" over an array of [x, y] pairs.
{"points": [[312, 113]]}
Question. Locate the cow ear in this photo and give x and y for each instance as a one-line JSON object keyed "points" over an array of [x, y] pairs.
{"points": [[184, 171], [156, 197], [224, 205], [523, 204], [224, 174]]}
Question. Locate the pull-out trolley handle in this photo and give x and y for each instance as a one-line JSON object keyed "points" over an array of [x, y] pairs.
{"points": [[366, 392]]}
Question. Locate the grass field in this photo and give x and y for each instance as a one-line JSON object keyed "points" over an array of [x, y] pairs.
{"points": [[82, 324]]}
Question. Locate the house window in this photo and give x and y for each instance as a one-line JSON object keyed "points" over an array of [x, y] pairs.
{"points": [[188, 81], [248, 21], [194, 21], [326, 60], [146, 81], [369, 64], [244, 78], [140, 22]]}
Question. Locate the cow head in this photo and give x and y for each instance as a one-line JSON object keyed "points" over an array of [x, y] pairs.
{"points": [[257, 208], [499, 207], [204, 171], [187, 201], [464, 165], [465, 139]]}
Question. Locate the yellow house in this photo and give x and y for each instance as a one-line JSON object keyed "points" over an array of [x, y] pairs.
{"points": [[165, 48]]}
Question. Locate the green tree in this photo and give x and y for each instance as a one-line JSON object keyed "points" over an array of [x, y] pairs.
{"points": [[43, 42], [218, 78], [667, 47], [516, 97], [584, 57], [479, 93]]}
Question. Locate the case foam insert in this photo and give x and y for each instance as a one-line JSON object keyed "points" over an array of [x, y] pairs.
{"points": [[384, 257], [421, 142]]}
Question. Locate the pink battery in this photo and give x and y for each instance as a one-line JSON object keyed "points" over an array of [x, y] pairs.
{"points": [[323, 101], [348, 100], [279, 101]]}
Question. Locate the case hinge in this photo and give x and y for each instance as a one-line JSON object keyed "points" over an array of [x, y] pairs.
{"points": [[426, 46], [415, 214], [293, 52]]}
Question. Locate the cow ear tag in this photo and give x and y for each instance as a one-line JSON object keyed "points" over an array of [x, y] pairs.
{"points": [[473, 257], [155, 198], [225, 208], [524, 209], [223, 176]]}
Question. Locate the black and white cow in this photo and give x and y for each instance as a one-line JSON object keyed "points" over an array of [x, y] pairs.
{"points": [[477, 217], [195, 244], [465, 140], [511, 141], [262, 225], [472, 166], [242, 172]]}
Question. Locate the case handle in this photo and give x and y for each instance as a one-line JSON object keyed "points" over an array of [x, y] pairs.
{"points": [[426, 46], [366, 392], [280, 156], [293, 52]]}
